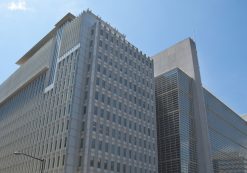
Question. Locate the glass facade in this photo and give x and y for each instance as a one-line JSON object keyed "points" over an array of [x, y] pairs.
{"points": [[228, 136], [177, 143], [175, 123]]}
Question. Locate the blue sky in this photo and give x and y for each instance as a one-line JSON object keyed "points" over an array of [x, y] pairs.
{"points": [[219, 28]]}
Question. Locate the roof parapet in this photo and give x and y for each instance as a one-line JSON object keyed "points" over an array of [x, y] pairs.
{"points": [[67, 18]]}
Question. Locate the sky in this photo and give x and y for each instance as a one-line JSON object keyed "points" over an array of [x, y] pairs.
{"points": [[219, 28]]}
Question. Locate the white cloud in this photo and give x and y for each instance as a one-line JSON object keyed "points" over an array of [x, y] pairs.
{"points": [[20, 5]]}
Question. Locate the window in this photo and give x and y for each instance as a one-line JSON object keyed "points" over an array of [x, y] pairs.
{"points": [[97, 81], [104, 70], [124, 168], [80, 158], [102, 111], [95, 110], [92, 162], [113, 133], [119, 135], [88, 67], [108, 115], [96, 95], [118, 167], [85, 109], [105, 164], [100, 145], [119, 120], [103, 83], [124, 152], [114, 118], [98, 67], [94, 126], [53, 162], [107, 130], [93, 143], [63, 160], [99, 163], [113, 149], [65, 142], [106, 147], [105, 58], [118, 151], [112, 165], [60, 144], [81, 143], [108, 100]]}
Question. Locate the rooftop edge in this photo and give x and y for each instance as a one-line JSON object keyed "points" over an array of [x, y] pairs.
{"points": [[68, 17]]}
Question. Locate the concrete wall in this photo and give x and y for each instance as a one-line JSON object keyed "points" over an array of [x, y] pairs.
{"points": [[179, 55]]}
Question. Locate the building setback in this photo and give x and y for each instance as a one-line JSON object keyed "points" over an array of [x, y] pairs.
{"points": [[191, 137], [83, 100]]}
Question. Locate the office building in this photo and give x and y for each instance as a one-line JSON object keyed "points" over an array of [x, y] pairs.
{"points": [[83, 100], [196, 131]]}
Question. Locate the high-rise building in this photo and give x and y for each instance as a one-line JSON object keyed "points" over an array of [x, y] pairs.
{"points": [[196, 131], [83, 100]]}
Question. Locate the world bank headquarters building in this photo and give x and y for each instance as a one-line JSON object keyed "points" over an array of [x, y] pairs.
{"points": [[85, 100]]}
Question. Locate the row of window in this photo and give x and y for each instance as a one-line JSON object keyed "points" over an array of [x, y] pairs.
{"points": [[124, 122], [113, 40], [123, 152], [110, 115], [22, 97], [127, 94], [117, 103], [54, 162], [117, 166], [144, 86], [119, 62]]}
